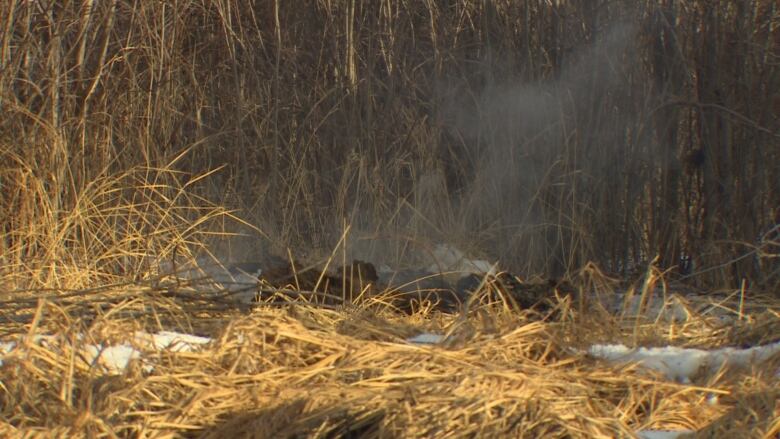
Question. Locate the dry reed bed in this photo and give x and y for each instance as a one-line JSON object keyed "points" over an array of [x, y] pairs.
{"points": [[407, 119], [306, 372], [93, 90]]}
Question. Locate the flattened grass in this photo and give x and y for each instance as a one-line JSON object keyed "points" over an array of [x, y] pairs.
{"points": [[302, 371]]}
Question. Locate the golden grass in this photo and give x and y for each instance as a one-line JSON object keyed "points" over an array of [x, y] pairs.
{"points": [[316, 124], [89, 275], [548, 134], [300, 371]]}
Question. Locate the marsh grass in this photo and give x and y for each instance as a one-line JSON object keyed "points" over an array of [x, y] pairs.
{"points": [[295, 368], [561, 138], [543, 135], [118, 228], [299, 370]]}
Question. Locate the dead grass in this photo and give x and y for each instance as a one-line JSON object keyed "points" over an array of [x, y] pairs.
{"points": [[647, 123], [299, 371], [546, 134]]}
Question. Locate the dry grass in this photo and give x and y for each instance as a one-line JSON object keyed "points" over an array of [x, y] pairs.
{"points": [[298, 371], [542, 134], [301, 371], [117, 227]]}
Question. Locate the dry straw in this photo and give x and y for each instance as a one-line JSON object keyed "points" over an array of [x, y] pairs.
{"points": [[302, 371], [549, 133]]}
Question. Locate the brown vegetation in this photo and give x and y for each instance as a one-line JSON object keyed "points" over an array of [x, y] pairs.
{"points": [[311, 372], [544, 134]]}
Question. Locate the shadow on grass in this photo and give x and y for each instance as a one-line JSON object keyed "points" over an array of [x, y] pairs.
{"points": [[292, 420]]}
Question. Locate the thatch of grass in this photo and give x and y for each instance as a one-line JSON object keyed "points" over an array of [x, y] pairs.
{"points": [[544, 134], [300, 371], [130, 131]]}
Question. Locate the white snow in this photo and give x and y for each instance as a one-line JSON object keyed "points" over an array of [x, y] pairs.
{"points": [[9, 346], [681, 364], [115, 358], [675, 363], [6, 347], [238, 282], [173, 341], [426, 338], [447, 258]]}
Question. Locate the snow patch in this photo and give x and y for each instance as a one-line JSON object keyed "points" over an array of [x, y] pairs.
{"points": [[115, 358], [239, 279], [681, 364], [447, 258], [426, 338], [172, 341], [6, 347]]}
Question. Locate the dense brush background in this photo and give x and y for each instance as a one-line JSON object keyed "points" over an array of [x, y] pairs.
{"points": [[542, 133]]}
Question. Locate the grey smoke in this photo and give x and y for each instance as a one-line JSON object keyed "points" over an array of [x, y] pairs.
{"points": [[511, 136], [518, 132]]}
